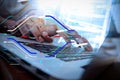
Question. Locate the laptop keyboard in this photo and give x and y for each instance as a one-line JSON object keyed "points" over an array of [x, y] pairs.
{"points": [[67, 54], [44, 48], [71, 54]]}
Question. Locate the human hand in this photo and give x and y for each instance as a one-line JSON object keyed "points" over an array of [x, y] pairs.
{"points": [[41, 31], [73, 35]]}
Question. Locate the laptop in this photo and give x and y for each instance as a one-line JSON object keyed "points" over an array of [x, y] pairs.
{"points": [[36, 58]]}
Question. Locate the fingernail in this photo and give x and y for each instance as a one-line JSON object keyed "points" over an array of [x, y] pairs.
{"points": [[41, 39], [79, 40], [44, 33]]}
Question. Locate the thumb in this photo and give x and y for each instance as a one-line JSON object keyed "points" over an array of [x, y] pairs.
{"points": [[63, 34]]}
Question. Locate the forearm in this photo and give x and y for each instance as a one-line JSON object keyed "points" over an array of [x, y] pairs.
{"points": [[6, 22], [1, 20], [3, 28]]}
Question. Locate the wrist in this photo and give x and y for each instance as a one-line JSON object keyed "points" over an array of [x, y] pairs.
{"points": [[1, 20]]}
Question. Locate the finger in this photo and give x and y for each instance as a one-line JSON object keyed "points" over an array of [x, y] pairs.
{"points": [[46, 37], [38, 20], [35, 30], [76, 37], [51, 30], [39, 39], [64, 35], [88, 47]]}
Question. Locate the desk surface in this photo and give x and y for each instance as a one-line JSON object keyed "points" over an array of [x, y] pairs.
{"points": [[14, 72]]}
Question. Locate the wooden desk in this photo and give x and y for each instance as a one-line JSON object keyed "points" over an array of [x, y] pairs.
{"points": [[14, 72]]}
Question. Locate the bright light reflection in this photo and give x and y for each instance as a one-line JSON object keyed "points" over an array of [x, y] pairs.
{"points": [[78, 7]]}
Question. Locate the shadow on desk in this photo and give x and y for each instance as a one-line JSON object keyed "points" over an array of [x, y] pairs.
{"points": [[102, 68]]}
